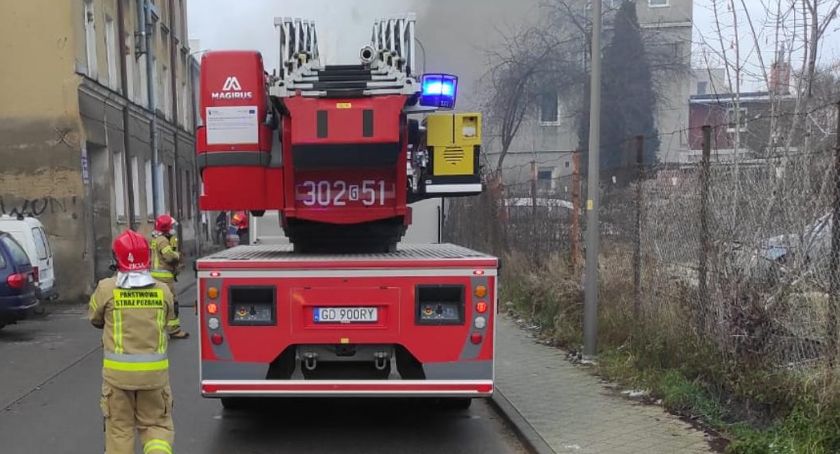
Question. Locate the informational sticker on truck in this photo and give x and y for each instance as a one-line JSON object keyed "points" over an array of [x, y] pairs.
{"points": [[232, 125]]}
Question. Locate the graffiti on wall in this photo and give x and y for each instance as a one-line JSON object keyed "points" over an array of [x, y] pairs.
{"points": [[14, 206]]}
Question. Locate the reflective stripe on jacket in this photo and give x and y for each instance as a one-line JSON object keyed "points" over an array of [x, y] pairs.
{"points": [[134, 337], [165, 257]]}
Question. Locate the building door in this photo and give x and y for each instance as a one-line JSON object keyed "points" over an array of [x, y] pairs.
{"points": [[101, 185]]}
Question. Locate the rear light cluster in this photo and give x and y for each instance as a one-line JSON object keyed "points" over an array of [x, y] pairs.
{"points": [[16, 281], [213, 321], [480, 322]]}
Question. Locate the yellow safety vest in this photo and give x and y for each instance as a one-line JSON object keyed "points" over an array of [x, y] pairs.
{"points": [[135, 338], [162, 252]]}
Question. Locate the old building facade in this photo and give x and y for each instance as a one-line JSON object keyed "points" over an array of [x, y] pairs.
{"points": [[75, 136]]}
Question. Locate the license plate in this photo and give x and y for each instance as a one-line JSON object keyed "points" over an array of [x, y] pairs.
{"points": [[346, 314]]}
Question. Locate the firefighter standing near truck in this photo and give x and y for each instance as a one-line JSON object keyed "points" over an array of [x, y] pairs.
{"points": [[132, 309], [166, 261]]}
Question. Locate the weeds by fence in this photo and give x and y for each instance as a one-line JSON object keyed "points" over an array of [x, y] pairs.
{"points": [[758, 329]]}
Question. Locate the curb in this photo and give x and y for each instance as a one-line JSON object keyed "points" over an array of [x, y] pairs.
{"points": [[526, 433]]}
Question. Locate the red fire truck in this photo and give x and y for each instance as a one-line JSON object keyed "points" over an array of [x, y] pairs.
{"points": [[340, 152]]}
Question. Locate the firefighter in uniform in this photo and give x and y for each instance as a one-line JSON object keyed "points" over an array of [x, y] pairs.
{"points": [[132, 309], [166, 261]]}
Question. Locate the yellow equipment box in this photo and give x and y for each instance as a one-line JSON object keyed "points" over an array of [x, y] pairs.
{"points": [[454, 142]]}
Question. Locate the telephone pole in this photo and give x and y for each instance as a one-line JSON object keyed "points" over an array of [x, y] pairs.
{"points": [[590, 305]]}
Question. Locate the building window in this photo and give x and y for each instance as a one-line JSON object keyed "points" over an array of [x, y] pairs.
{"points": [[158, 85], [167, 93], [544, 178], [188, 194], [184, 95], [179, 194], [549, 108], [144, 86], [702, 87], [658, 3], [161, 191], [90, 39], [135, 186], [119, 187], [606, 5], [741, 120], [130, 69], [111, 53], [566, 164], [150, 204], [183, 12]]}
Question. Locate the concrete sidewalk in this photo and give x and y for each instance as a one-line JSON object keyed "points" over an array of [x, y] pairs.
{"points": [[563, 408]]}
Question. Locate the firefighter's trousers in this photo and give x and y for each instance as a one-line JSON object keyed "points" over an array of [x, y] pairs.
{"points": [[149, 411], [173, 326]]}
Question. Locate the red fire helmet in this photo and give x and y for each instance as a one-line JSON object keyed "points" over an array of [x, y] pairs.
{"points": [[164, 223], [131, 251], [240, 219]]}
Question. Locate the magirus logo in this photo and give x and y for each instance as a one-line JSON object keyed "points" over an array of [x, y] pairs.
{"points": [[232, 89]]}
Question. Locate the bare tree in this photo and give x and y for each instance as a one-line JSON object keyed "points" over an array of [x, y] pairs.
{"points": [[528, 62]]}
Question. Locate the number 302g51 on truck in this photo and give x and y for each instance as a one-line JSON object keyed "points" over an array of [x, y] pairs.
{"points": [[340, 152]]}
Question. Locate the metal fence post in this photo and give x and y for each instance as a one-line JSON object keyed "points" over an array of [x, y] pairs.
{"points": [[534, 248], [575, 218], [704, 223], [834, 264], [637, 240]]}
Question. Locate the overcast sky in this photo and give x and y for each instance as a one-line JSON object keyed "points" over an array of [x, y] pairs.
{"points": [[345, 25]]}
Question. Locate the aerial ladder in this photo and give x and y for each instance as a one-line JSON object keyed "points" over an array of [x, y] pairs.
{"points": [[339, 150]]}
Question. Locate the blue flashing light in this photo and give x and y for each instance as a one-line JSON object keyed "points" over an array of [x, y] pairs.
{"points": [[439, 90]]}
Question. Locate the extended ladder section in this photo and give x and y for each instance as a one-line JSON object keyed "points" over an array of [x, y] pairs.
{"points": [[385, 68], [333, 147]]}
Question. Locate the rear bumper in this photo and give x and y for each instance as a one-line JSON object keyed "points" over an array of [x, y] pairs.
{"points": [[346, 388], [14, 308]]}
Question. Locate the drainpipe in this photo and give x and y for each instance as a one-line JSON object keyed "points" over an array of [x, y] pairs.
{"points": [[127, 163], [147, 28]]}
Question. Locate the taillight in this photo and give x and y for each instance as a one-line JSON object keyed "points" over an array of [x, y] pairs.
{"points": [[476, 338], [36, 274], [16, 281], [481, 291], [217, 339]]}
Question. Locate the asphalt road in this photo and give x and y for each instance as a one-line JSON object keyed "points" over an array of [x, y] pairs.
{"points": [[50, 378]]}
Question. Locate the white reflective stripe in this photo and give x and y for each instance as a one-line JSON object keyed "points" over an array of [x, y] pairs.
{"points": [[328, 383], [135, 357], [443, 188], [269, 273]]}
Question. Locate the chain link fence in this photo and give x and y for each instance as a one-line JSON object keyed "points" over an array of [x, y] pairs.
{"points": [[726, 270]]}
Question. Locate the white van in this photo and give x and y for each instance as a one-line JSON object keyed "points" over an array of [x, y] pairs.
{"points": [[30, 233]]}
